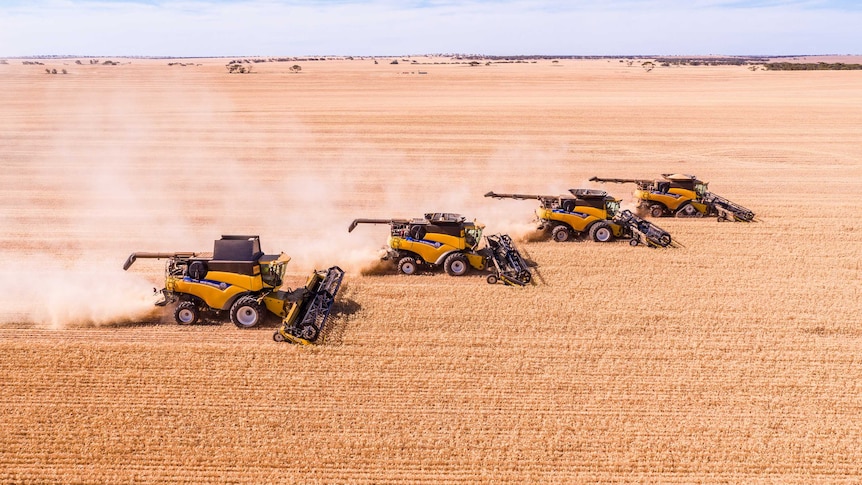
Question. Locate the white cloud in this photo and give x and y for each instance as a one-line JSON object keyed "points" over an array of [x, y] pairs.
{"points": [[380, 27]]}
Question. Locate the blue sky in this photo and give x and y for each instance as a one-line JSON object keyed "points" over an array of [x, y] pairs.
{"points": [[188, 28]]}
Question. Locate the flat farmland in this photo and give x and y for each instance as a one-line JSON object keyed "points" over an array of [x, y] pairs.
{"points": [[734, 358]]}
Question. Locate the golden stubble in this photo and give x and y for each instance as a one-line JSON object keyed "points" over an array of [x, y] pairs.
{"points": [[732, 359]]}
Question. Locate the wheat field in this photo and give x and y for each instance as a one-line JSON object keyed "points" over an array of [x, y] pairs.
{"points": [[732, 359]]}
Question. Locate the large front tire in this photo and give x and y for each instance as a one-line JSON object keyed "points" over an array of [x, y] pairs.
{"points": [[407, 265], [246, 312], [560, 234], [601, 232], [456, 264], [187, 313]]}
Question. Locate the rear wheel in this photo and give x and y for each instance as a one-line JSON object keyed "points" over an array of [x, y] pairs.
{"points": [[656, 210], [560, 234], [186, 313], [246, 312], [601, 232], [407, 265], [456, 264]]}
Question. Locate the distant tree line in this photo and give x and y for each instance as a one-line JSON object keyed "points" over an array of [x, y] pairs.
{"points": [[709, 61], [812, 66]]}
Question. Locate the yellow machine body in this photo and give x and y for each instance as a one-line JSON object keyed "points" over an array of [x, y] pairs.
{"points": [[219, 288], [434, 247], [580, 219], [673, 199]]}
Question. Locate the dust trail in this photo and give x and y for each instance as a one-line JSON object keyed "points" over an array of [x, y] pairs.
{"points": [[135, 174], [85, 294]]}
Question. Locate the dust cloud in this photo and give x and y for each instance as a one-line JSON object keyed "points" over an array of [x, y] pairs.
{"points": [[84, 294], [86, 204]]}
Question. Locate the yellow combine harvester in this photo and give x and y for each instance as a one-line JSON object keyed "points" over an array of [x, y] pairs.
{"points": [[449, 240], [238, 278], [682, 195], [594, 213]]}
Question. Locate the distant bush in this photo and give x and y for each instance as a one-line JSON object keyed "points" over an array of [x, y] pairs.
{"points": [[295, 68], [233, 68]]}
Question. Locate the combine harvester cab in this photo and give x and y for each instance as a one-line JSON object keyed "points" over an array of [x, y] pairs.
{"points": [[681, 195], [238, 278], [589, 213], [449, 240]]}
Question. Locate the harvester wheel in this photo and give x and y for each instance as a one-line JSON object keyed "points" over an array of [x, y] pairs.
{"points": [[407, 265], [246, 312], [634, 242], [491, 279], [560, 233], [665, 240], [186, 313], [687, 210], [278, 337], [601, 232], [656, 210], [456, 264]]}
